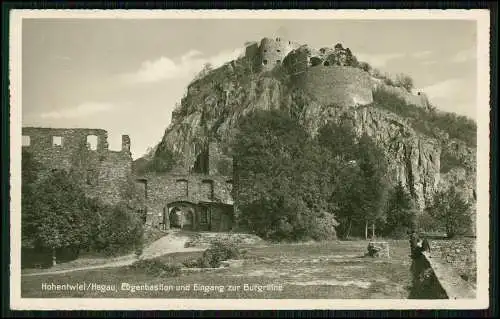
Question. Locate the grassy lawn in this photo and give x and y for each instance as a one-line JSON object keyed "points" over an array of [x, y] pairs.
{"points": [[331, 270]]}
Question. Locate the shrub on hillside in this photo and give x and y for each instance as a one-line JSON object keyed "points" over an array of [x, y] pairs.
{"points": [[456, 126], [365, 66], [162, 161], [404, 81], [156, 268], [448, 161]]}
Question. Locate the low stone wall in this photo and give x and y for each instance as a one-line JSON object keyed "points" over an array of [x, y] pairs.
{"points": [[439, 273], [425, 284], [460, 254]]}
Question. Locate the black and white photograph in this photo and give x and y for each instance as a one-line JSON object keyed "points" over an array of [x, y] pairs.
{"points": [[316, 159]]}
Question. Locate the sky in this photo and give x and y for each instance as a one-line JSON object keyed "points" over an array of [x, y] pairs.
{"points": [[126, 76]]}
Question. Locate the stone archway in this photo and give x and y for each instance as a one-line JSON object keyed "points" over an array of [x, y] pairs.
{"points": [[181, 215]]}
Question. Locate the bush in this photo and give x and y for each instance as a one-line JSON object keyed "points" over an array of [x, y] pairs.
{"points": [[404, 81], [193, 263], [427, 223], [218, 251], [118, 230], [365, 66], [324, 227], [156, 268], [388, 81]]}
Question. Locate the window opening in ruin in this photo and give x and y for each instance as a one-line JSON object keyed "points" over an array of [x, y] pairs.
{"points": [[92, 142], [278, 61], [265, 61], [201, 165], [26, 140], [183, 186], [265, 51], [208, 189], [56, 141], [278, 50], [144, 183], [204, 215], [315, 61]]}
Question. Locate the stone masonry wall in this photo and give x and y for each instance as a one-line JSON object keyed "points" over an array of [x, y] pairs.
{"points": [[439, 273], [101, 173], [344, 86], [274, 50], [165, 189], [460, 254]]}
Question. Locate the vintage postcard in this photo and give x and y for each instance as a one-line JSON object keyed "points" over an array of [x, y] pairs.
{"points": [[267, 159]]}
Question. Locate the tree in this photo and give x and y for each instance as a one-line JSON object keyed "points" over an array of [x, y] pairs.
{"points": [[451, 211], [357, 176], [207, 67], [119, 229], [373, 166], [159, 160], [279, 173], [377, 73], [400, 212], [351, 59], [404, 81], [365, 66], [56, 214], [339, 139]]}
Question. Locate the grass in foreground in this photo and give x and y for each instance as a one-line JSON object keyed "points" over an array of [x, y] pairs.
{"points": [[332, 270]]}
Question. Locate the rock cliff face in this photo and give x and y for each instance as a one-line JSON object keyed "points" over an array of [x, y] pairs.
{"points": [[213, 104]]}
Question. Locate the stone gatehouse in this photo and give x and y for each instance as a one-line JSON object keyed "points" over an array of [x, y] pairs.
{"points": [[188, 201], [191, 198]]}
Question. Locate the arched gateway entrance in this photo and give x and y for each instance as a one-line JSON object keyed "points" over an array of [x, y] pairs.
{"points": [[179, 215]]}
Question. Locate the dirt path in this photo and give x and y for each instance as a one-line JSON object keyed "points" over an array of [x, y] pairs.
{"points": [[172, 243]]}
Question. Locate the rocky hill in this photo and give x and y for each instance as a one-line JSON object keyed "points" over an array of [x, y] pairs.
{"points": [[425, 148]]}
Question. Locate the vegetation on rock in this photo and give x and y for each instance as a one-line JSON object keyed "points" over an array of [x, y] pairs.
{"points": [[428, 123]]}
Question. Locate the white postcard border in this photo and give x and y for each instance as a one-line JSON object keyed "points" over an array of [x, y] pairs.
{"points": [[483, 108]]}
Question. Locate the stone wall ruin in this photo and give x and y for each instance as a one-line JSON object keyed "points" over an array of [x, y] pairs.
{"points": [[102, 173]]}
